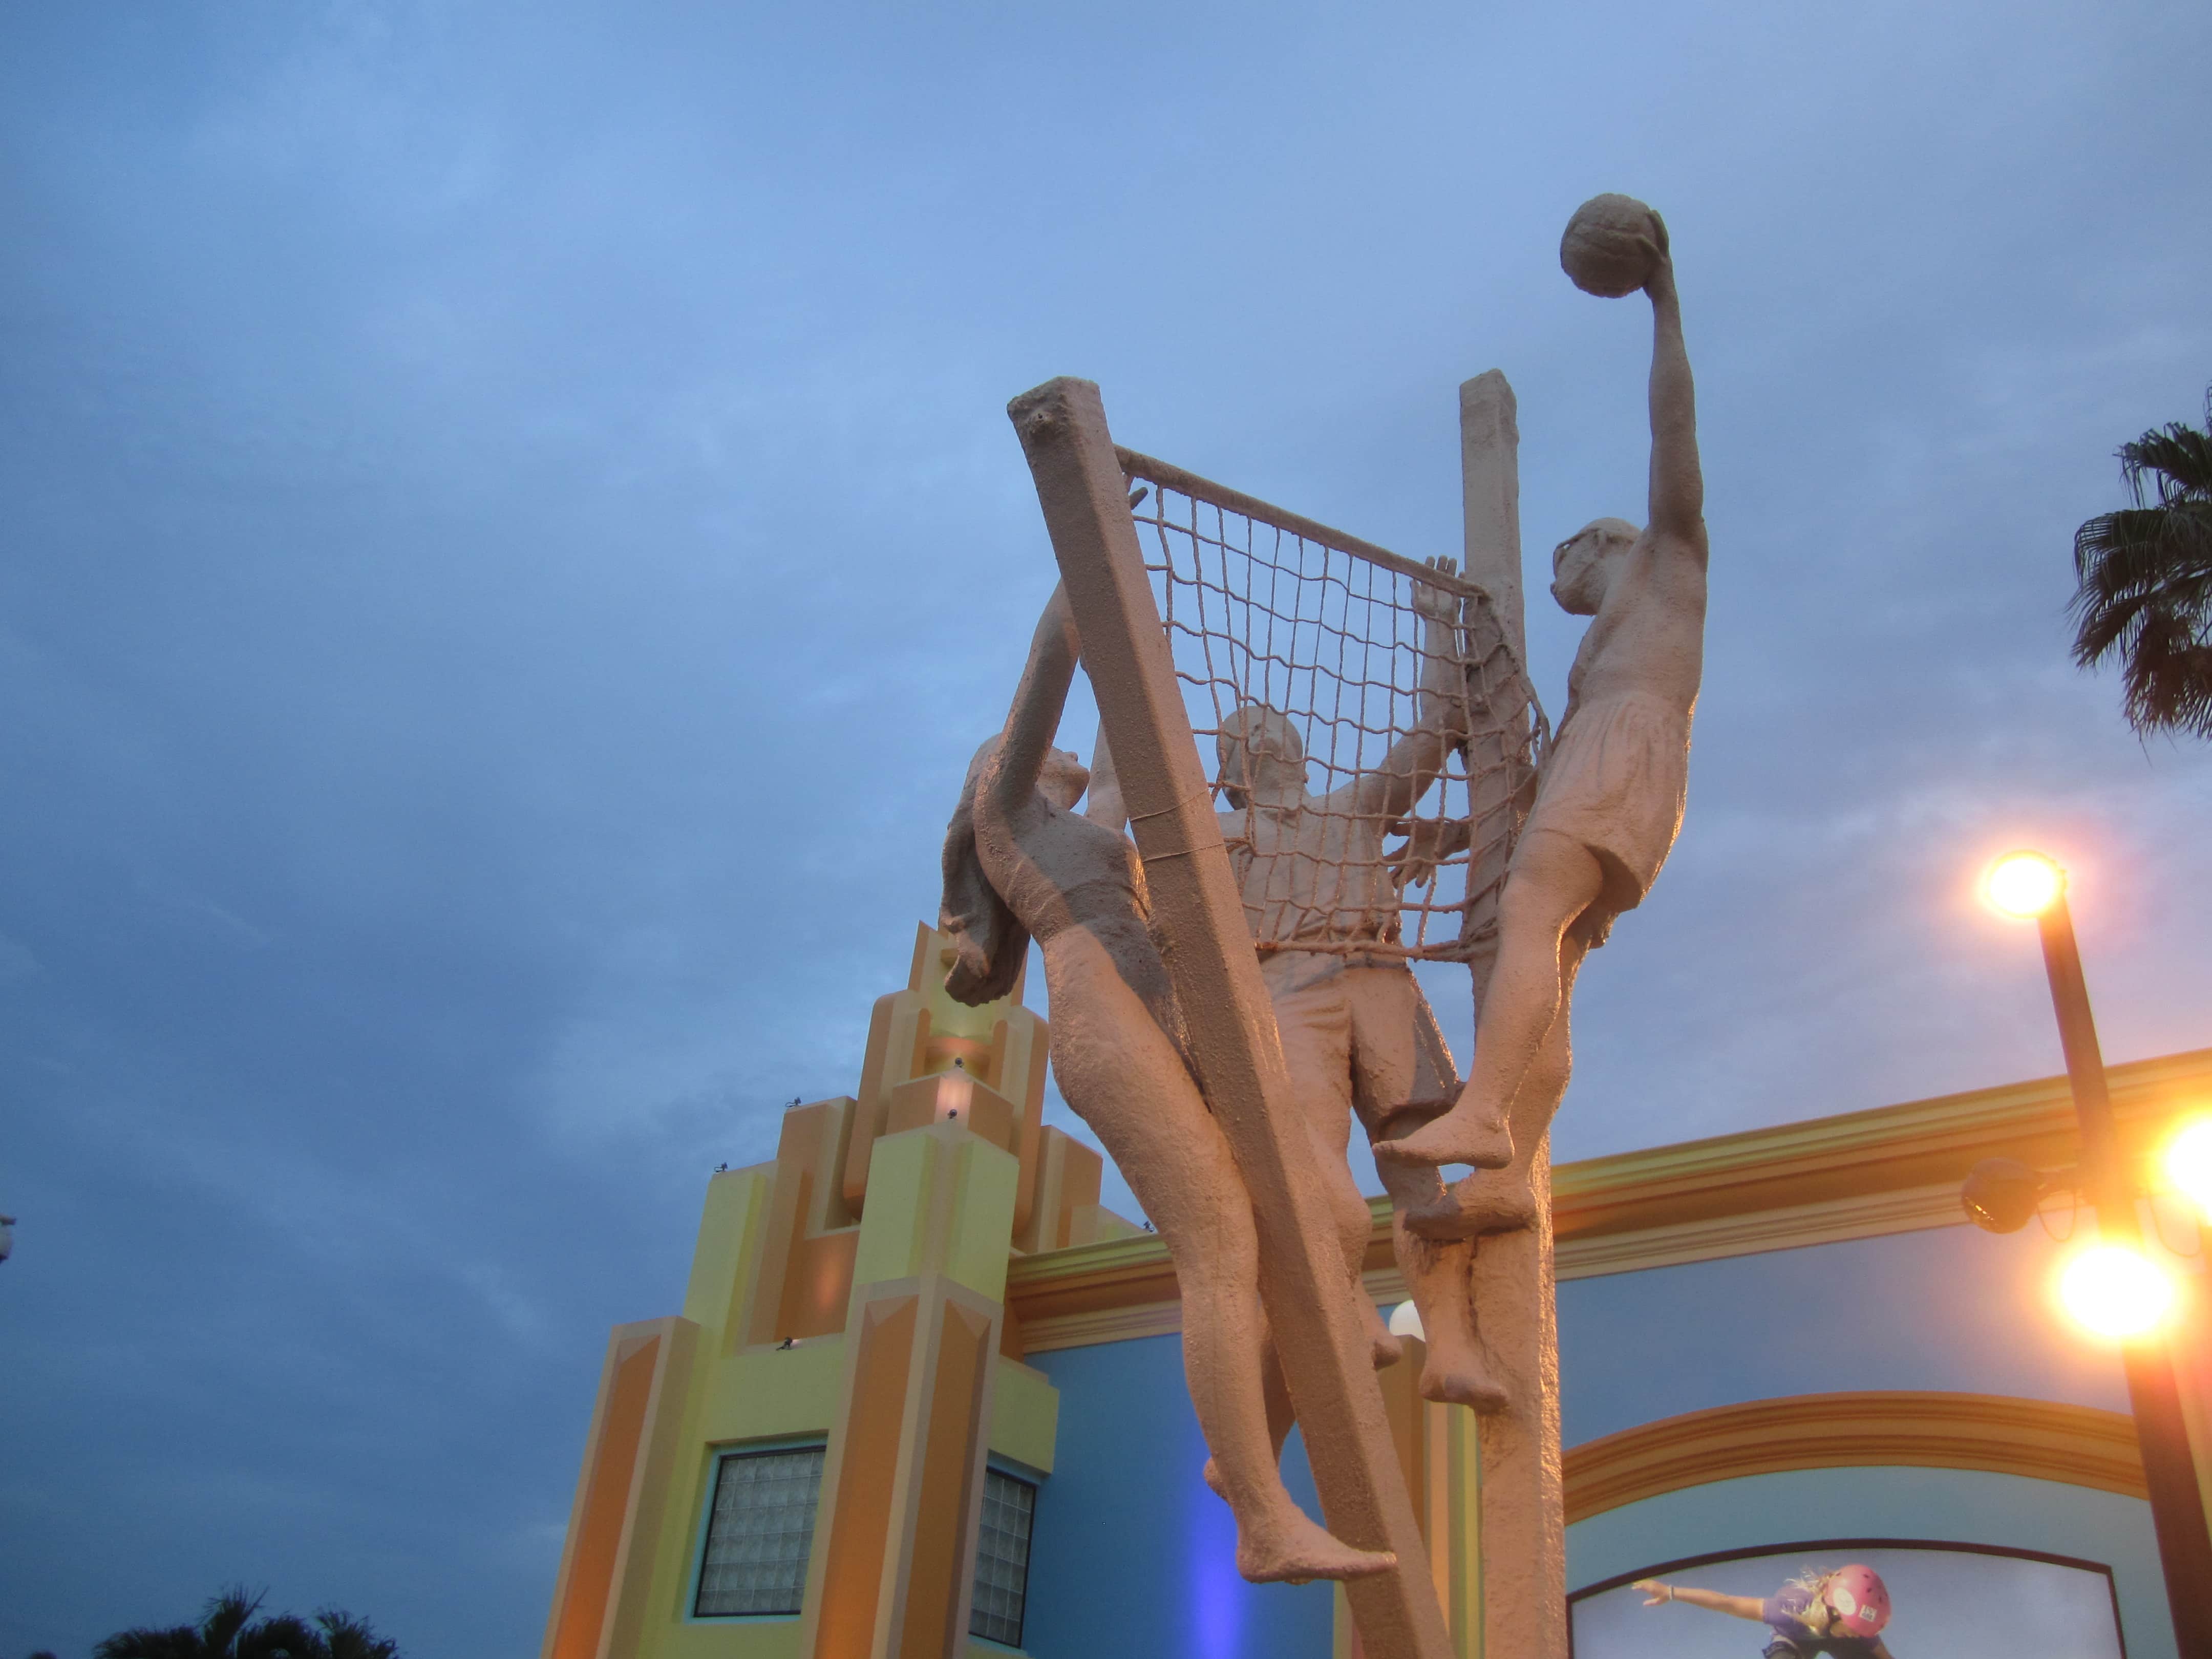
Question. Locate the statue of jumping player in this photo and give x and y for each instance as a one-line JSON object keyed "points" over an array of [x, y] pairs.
{"points": [[1312, 870], [1610, 800]]}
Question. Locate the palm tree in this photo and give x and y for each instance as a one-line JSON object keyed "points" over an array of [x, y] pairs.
{"points": [[2145, 582], [226, 1629]]}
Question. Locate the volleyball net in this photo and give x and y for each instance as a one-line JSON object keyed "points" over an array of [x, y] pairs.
{"points": [[1372, 736]]}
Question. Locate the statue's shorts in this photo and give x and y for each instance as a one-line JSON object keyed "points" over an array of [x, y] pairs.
{"points": [[1347, 1026], [1616, 781]]}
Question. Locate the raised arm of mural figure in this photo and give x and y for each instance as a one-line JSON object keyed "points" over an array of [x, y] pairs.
{"points": [[1078, 887], [1657, 1593], [1608, 808], [1412, 763]]}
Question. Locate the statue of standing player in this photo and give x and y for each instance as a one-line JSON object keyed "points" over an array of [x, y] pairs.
{"points": [[1614, 784], [1317, 889]]}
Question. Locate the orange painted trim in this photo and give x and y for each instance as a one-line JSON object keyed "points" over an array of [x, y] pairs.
{"points": [[2040, 1439], [607, 1557], [854, 1530], [602, 1504], [1854, 1155], [819, 1285], [945, 1504], [1858, 1174]]}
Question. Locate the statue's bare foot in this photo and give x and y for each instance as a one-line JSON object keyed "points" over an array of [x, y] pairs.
{"points": [[1462, 1380], [1290, 1549], [1465, 1134], [1472, 1206]]}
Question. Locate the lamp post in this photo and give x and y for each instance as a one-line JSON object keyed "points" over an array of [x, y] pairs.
{"points": [[2028, 885]]}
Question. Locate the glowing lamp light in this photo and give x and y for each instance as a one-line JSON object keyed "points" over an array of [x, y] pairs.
{"points": [[2024, 884], [2115, 1291], [2189, 1163]]}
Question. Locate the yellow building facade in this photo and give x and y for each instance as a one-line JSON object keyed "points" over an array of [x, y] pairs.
{"points": [[845, 1329]]}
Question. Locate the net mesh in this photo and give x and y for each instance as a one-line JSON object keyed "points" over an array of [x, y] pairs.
{"points": [[1391, 692]]}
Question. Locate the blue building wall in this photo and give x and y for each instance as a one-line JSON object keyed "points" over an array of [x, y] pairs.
{"points": [[1950, 1308], [1132, 1555]]}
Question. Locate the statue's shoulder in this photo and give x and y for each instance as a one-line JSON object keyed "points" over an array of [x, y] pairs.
{"points": [[1681, 551]]}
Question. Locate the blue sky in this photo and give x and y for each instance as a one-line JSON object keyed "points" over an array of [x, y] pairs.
{"points": [[508, 534]]}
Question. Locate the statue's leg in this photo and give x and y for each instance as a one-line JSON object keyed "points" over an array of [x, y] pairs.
{"points": [[1438, 1272], [1501, 1200], [1384, 1004], [1314, 1024], [1120, 1071], [1555, 878]]}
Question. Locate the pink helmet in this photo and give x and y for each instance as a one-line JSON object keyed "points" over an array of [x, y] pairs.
{"points": [[1861, 1599]]}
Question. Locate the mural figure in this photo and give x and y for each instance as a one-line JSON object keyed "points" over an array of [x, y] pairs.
{"points": [[1840, 1613], [1614, 782], [1020, 863]]}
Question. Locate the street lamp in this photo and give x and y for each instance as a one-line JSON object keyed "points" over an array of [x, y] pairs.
{"points": [[2116, 1292], [2028, 885], [2188, 1164]]}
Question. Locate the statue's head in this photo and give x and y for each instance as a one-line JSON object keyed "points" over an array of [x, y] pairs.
{"points": [[1261, 755], [1061, 780], [1585, 565]]}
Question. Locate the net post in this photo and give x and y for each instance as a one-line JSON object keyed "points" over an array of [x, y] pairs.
{"points": [[1489, 496], [1197, 907], [1522, 1498]]}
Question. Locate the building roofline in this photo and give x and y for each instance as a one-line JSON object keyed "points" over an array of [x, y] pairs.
{"points": [[1854, 1175]]}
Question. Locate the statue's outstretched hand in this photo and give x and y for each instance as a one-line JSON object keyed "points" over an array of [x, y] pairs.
{"points": [[1435, 602], [1429, 842]]}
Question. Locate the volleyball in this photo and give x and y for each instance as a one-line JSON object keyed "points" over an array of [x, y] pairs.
{"points": [[1608, 247]]}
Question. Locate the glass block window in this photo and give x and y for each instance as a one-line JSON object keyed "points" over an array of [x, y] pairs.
{"points": [[1002, 1558], [760, 1531]]}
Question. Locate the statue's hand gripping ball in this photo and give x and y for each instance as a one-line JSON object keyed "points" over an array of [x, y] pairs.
{"points": [[1611, 245]]}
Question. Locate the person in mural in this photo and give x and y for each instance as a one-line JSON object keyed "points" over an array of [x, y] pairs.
{"points": [[1837, 1614]]}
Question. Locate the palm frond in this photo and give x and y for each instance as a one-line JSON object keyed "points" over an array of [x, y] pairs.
{"points": [[349, 1637], [2167, 681], [182, 1642], [230, 1610], [2180, 457], [2144, 582], [281, 1637]]}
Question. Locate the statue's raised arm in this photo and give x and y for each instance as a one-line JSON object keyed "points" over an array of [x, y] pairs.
{"points": [[1677, 486], [1412, 763]]}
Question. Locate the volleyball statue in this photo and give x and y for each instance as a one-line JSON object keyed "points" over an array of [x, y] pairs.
{"points": [[1226, 1002]]}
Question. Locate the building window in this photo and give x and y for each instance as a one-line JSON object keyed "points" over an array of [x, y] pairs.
{"points": [[1002, 1558], [760, 1532]]}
